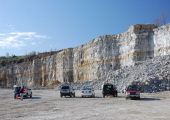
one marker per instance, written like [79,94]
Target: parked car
[27,91]
[132,91]
[109,89]
[87,92]
[67,91]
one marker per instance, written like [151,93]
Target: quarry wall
[92,60]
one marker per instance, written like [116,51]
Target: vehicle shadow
[90,97]
[34,98]
[143,99]
[83,97]
[149,99]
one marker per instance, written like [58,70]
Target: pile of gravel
[152,75]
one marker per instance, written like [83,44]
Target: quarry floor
[47,105]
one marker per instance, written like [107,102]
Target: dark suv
[67,91]
[109,89]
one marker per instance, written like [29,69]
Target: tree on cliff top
[162,20]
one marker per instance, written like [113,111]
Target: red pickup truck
[132,91]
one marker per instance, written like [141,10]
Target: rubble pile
[152,75]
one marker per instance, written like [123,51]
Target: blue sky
[45,25]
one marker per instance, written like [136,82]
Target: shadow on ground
[149,99]
[82,97]
[34,98]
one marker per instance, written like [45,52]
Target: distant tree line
[13,59]
[5,60]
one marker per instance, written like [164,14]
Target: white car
[27,91]
[87,92]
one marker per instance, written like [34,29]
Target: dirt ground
[47,105]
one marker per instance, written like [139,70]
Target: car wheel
[26,95]
[31,95]
[82,96]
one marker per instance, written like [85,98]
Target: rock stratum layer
[93,60]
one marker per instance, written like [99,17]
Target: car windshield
[132,88]
[86,89]
[65,87]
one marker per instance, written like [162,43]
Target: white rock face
[93,60]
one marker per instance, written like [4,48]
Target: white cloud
[1,34]
[22,33]
[33,43]
[19,39]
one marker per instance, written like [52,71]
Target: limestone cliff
[92,60]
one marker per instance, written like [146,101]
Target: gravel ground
[47,105]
